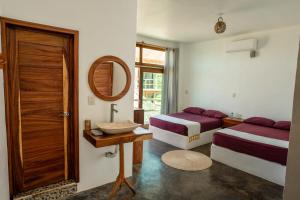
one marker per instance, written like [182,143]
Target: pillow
[214,114]
[194,110]
[260,121]
[284,125]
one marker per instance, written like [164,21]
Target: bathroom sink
[117,127]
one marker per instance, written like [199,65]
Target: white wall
[4,186]
[263,85]
[154,41]
[102,32]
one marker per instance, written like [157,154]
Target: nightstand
[228,122]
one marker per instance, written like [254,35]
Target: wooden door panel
[31,157]
[40,73]
[41,130]
[47,107]
[40,37]
[29,48]
[103,78]
[42,96]
[40,83]
[41,156]
[36,112]
[40,61]
[36,175]
[38,126]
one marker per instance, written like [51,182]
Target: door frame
[74,134]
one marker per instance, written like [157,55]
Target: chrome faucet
[112,111]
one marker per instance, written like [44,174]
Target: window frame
[147,67]
[142,46]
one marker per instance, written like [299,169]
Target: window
[153,56]
[148,87]
[149,56]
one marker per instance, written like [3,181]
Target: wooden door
[38,81]
[103,78]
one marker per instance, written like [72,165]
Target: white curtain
[170,92]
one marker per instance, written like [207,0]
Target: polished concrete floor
[154,180]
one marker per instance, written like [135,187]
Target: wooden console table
[138,134]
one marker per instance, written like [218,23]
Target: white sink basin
[117,127]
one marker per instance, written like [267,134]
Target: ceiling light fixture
[220,26]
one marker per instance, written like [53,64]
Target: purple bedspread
[263,131]
[257,149]
[207,123]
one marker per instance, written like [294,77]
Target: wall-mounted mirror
[109,78]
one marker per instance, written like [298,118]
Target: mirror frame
[91,77]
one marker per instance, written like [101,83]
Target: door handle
[65,114]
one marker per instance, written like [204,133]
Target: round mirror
[109,78]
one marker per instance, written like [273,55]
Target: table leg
[138,152]
[121,177]
[129,186]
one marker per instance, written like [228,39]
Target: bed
[254,148]
[188,129]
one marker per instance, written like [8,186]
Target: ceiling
[193,20]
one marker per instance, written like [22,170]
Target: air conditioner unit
[243,45]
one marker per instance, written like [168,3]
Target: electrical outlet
[91,100]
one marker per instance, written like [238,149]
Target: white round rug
[186,160]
